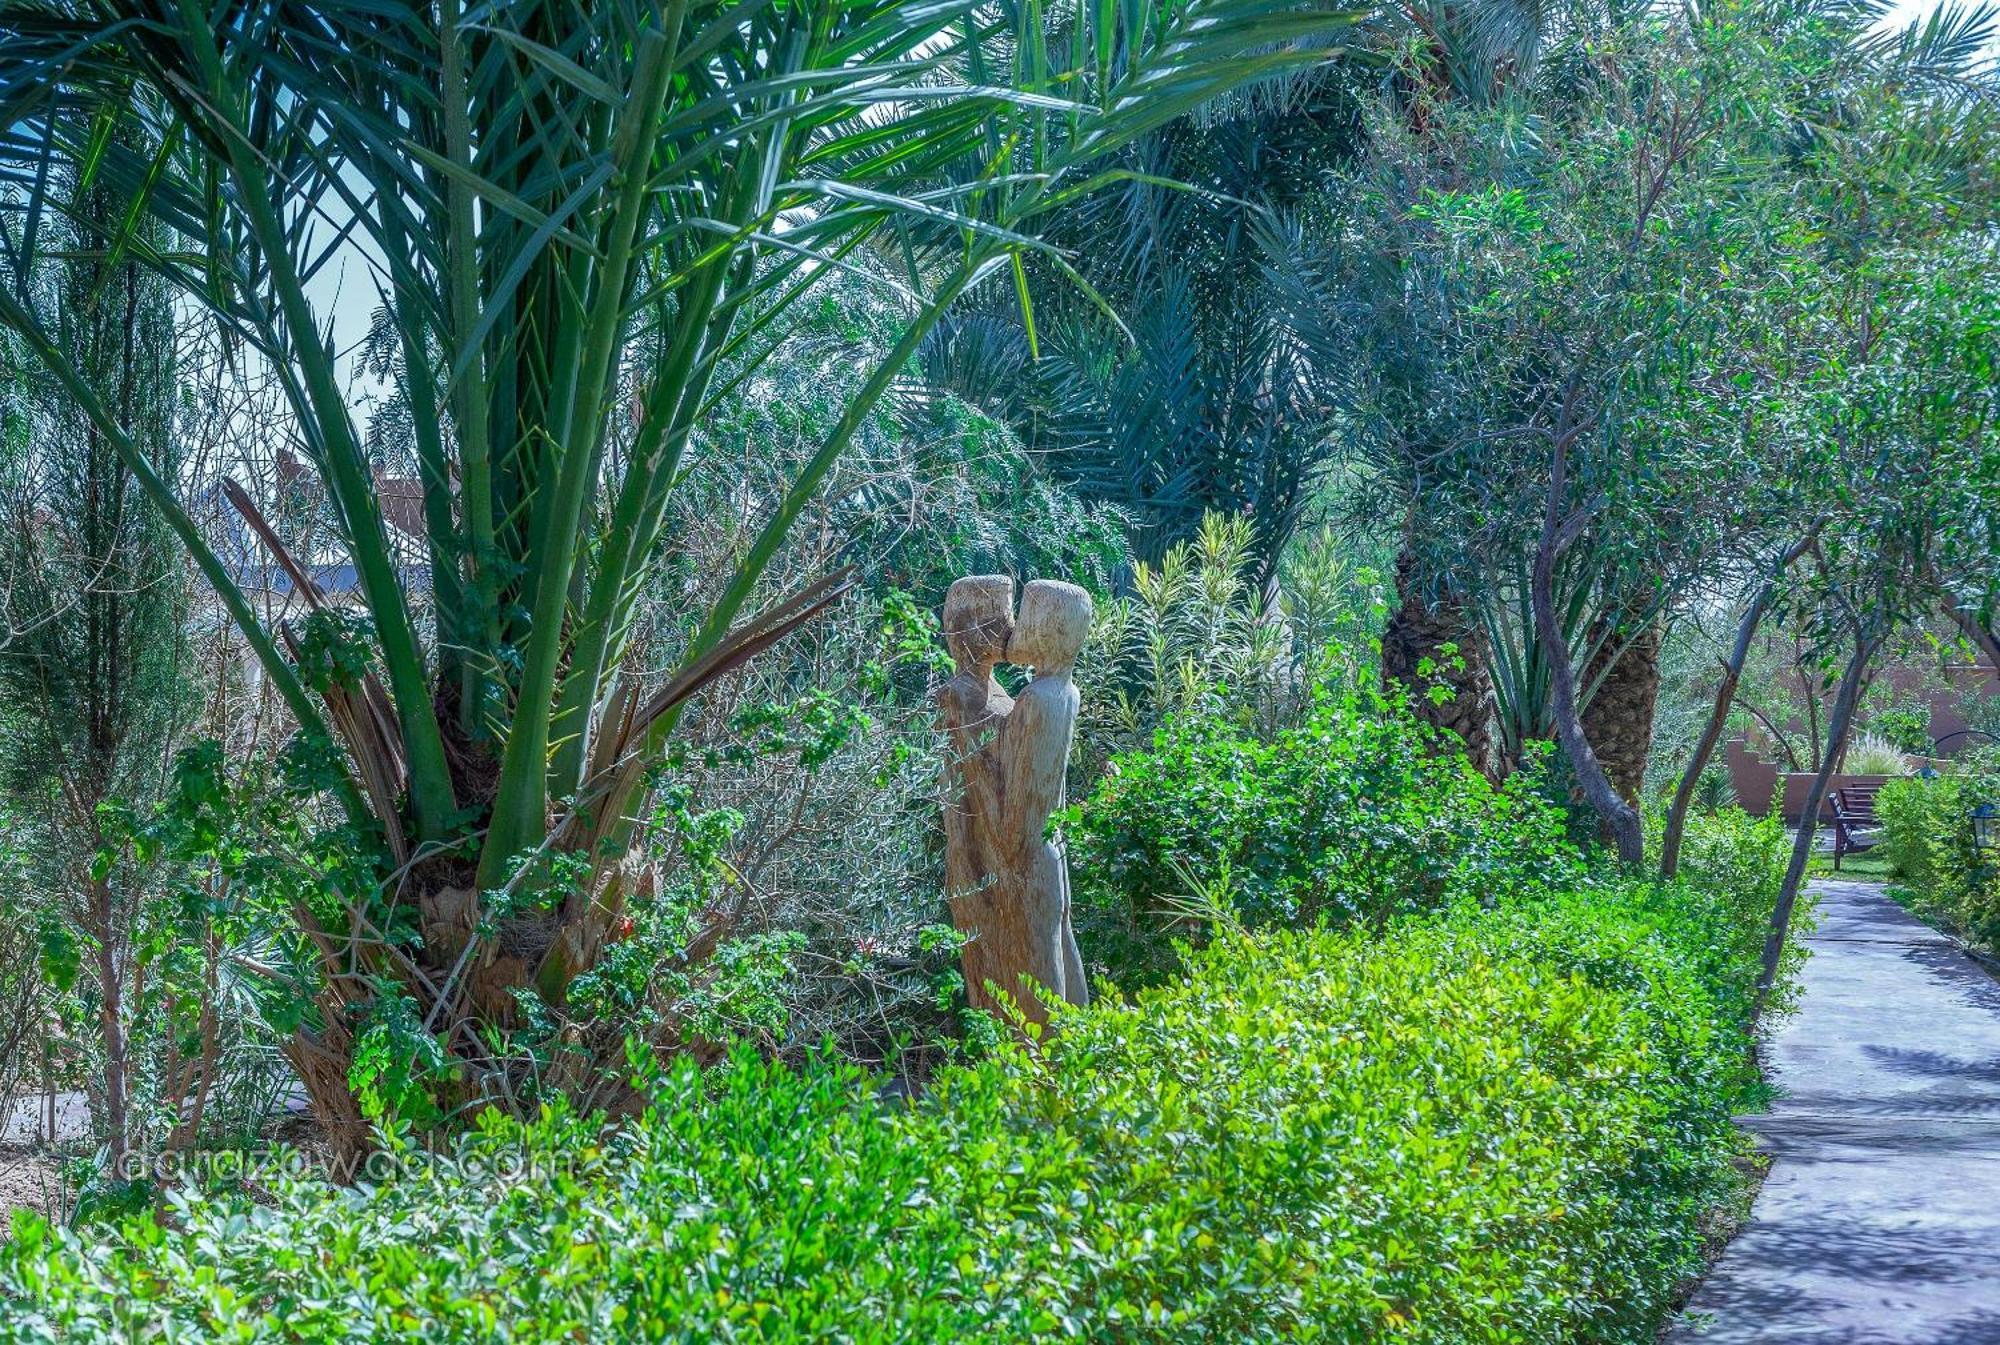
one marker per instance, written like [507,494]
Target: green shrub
[1499,1125]
[1356,814]
[1198,634]
[1735,866]
[1927,838]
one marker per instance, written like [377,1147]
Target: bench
[1855,826]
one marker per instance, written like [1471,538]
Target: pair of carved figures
[1008,882]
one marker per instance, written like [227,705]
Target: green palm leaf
[540,191]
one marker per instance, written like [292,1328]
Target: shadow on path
[1880,1221]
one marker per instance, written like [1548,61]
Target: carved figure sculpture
[1008,881]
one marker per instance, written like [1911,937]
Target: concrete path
[1880,1222]
[27,1121]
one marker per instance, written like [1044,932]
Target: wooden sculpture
[1007,880]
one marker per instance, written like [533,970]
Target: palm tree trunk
[1618,718]
[1437,654]
[322,1061]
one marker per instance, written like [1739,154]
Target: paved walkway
[27,1121]
[1880,1222]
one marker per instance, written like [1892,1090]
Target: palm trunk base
[323,1061]
[1618,720]
[1438,656]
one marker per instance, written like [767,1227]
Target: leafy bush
[1927,838]
[1735,867]
[1195,632]
[1905,727]
[1357,813]
[1484,1126]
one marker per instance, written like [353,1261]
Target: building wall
[1760,782]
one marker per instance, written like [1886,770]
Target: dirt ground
[30,1179]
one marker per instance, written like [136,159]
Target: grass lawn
[1870,866]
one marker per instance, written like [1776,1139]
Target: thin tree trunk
[1719,719]
[1712,731]
[208,1030]
[48,1089]
[1725,696]
[1809,701]
[111,1023]
[1619,817]
[1779,740]
[1838,725]
[1982,635]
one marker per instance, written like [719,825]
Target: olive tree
[1556,304]
[1906,421]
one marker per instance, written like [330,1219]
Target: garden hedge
[1485,1125]
[1928,839]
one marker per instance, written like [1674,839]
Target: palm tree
[586,224]
[1169,387]
[1342,291]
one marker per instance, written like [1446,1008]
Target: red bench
[1855,826]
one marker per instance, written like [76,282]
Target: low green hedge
[1357,814]
[1485,1126]
[1927,838]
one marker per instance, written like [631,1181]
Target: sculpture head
[1052,625]
[978,619]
